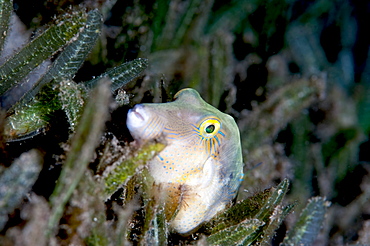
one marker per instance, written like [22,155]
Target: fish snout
[137,117]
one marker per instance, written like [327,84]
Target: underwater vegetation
[295,76]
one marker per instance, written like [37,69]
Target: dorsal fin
[189,95]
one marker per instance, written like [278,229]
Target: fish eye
[210,127]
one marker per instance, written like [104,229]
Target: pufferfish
[202,158]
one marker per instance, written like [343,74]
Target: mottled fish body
[202,162]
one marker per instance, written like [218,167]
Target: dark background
[239,55]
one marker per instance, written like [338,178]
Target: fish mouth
[137,116]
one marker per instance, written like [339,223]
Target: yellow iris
[210,127]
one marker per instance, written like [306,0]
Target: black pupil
[210,128]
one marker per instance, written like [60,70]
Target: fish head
[186,119]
